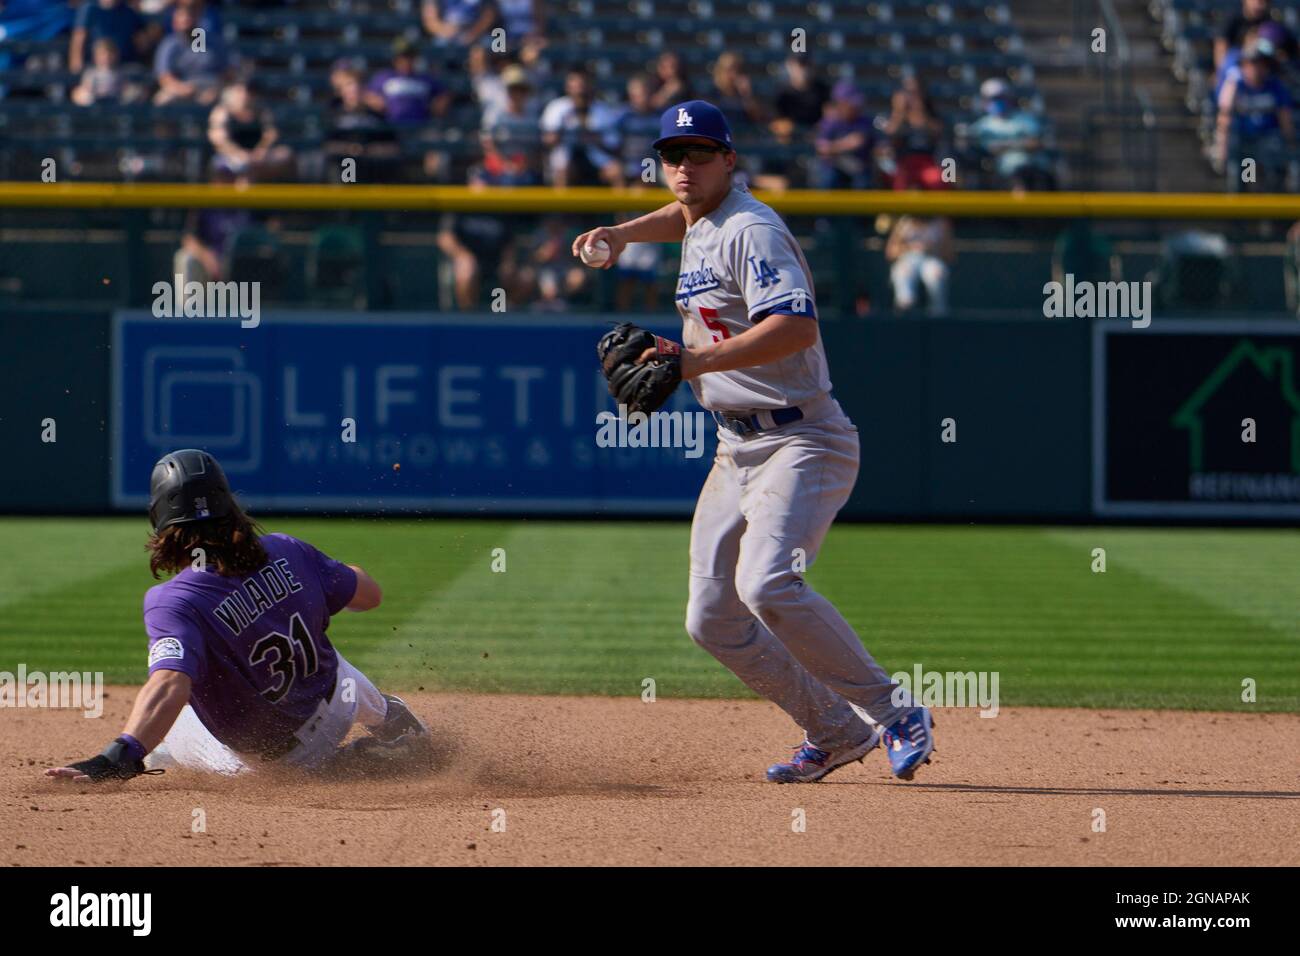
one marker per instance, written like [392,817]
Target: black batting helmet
[187,486]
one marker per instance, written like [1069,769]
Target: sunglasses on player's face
[698,155]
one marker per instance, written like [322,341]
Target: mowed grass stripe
[92,624]
[596,608]
[44,555]
[1022,600]
[594,598]
[1248,572]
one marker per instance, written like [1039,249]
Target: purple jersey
[254,645]
[406,95]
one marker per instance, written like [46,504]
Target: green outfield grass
[1179,619]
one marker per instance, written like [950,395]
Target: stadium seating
[290,48]
[951,45]
[1188,31]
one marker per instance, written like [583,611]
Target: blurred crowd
[1251,100]
[133,50]
[539,124]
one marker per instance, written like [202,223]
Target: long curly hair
[230,545]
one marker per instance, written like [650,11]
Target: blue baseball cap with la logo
[694,118]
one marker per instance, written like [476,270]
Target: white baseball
[596,254]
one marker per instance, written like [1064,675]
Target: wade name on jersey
[245,606]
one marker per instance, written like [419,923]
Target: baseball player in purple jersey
[241,671]
[787,458]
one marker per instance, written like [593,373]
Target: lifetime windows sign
[319,411]
[1197,419]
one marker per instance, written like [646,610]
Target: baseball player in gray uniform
[786,462]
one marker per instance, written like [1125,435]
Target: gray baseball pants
[759,523]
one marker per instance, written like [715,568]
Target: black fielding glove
[645,386]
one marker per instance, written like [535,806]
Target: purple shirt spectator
[406,95]
[835,128]
[216,228]
[254,646]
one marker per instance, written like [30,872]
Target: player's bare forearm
[773,339]
[157,706]
[368,594]
[666,224]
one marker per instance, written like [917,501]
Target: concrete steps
[1103,154]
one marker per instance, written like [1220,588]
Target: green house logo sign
[1275,365]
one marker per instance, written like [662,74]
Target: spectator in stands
[845,143]
[340,71]
[187,69]
[778,169]
[637,270]
[1271,32]
[522,18]
[475,244]
[404,96]
[531,59]
[104,80]
[802,98]
[914,132]
[581,133]
[919,251]
[158,17]
[1255,121]
[460,22]
[1254,15]
[638,128]
[113,19]
[510,138]
[1012,139]
[733,93]
[358,132]
[673,85]
[208,236]
[1284,44]
[548,267]
[484,71]
[244,137]
[800,104]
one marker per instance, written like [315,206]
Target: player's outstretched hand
[113,764]
[610,235]
[67,773]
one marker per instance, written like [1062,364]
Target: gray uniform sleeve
[771,273]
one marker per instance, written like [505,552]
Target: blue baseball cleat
[909,742]
[810,764]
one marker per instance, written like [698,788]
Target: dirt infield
[618,781]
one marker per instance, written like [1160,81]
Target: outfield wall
[1064,420]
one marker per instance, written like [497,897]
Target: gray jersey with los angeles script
[740,264]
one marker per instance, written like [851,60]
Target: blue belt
[750,424]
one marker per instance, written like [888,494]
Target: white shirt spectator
[560,116]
